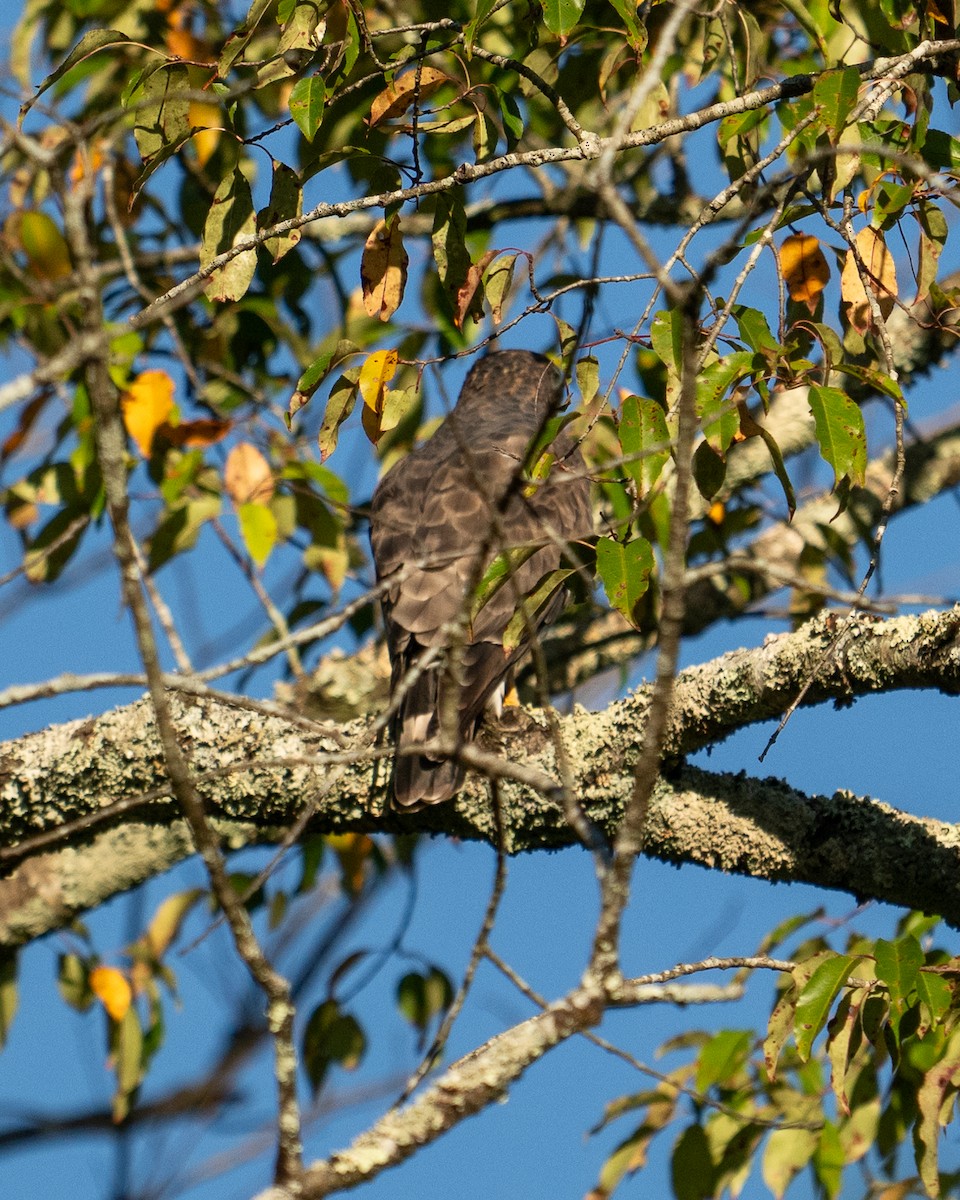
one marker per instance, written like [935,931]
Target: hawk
[438,519]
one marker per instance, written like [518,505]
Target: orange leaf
[881,278]
[383,269]
[805,270]
[110,986]
[247,475]
[146,406]
[397,98]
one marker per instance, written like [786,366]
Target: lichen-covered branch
[258,773]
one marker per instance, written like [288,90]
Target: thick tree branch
[258,773]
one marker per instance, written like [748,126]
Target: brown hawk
[437,521]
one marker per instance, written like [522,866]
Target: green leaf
[691,1167]
[836,94]
[483,10]
[935,999]
[933,1113]
[666,337]
[722,1058]
[306,105]
[624,569]
[258,528]
[636,32]
[829,1160]
[73,980]
[449,244]
[127,1052]
[422,997]
[512,119]
[8,993]
[286,202]
[90,43]
[715,405]
[331,1036]
[786,1153]
[343,397]
[230,219]
[588,378]
[644,440]
[709,470]
[517,627]
[161,112]
[817,997]
[560,16]
[841,435]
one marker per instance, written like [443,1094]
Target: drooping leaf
[127,1059]
[112,989]
[805,269]
[247,476]
[343,396]
[286,202]
[645,441]
[377,371]
[8,993]
[231,219]
[786,1153]
[560,16]
[879,275]
[258,528]
[496,285]
[331,1036]
[817,996]
[841,434]
[942,1078]
[307,101]
[383,269]
[168,920]
[422,997]
[624,570]
[146,406]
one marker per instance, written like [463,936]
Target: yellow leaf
[383,269]
[113,991]
[881,278]
[44,245]
[353,851]
[398,97]
[146,406]
[375,374]
[206,119]
[248,476]
[805,270]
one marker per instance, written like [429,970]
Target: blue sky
[900,749]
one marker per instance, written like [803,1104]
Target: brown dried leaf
[881,278]
[383,269]
[395,99]
[247,476]
[470,293]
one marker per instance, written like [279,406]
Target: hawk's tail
[419,779]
